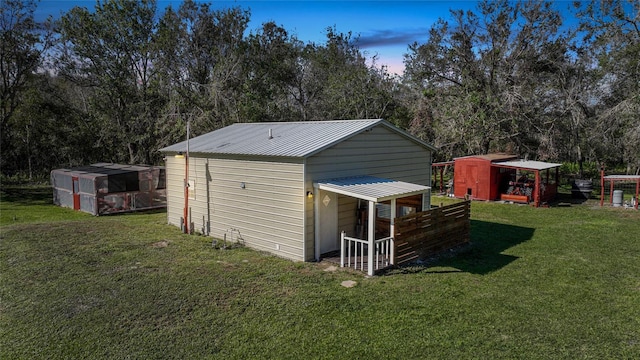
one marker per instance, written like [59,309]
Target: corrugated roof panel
[622,177]
[289,139]
[371,188]
[528,164]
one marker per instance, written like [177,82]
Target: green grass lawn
[547,283]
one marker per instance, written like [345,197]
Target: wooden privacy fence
[421,235]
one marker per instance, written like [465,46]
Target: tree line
[119,81]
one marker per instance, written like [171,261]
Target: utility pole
[186,181]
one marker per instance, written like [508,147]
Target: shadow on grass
[482,256]
[567,200]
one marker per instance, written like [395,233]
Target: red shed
[502,177]
[476,177]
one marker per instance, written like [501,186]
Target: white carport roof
[622,177]
[527,164]
[371,188]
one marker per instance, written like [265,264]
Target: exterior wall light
[309,194]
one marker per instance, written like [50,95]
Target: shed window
[384,210]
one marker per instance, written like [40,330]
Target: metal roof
[622,177]
[371,188]
[104,169]
[527,164]
[491,157]
[289,139]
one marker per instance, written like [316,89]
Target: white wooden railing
[353,252]
[384,252]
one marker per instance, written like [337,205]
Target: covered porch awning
[371,188]
[374,190]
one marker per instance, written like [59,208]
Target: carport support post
[342,248]
[601,184]
[536,189]
[371,236]
[637,192]
[316,221]
[611,192]
[392,232]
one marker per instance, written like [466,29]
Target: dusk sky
[385,28]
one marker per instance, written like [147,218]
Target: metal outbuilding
[291,188]
[106,188]
[477,178]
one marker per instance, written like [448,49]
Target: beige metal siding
[198,209]
[174,182]
[347,218]
[378,152]
[267,213]
[309,233]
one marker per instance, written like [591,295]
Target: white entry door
[328,222]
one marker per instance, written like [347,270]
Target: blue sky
[385,28]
